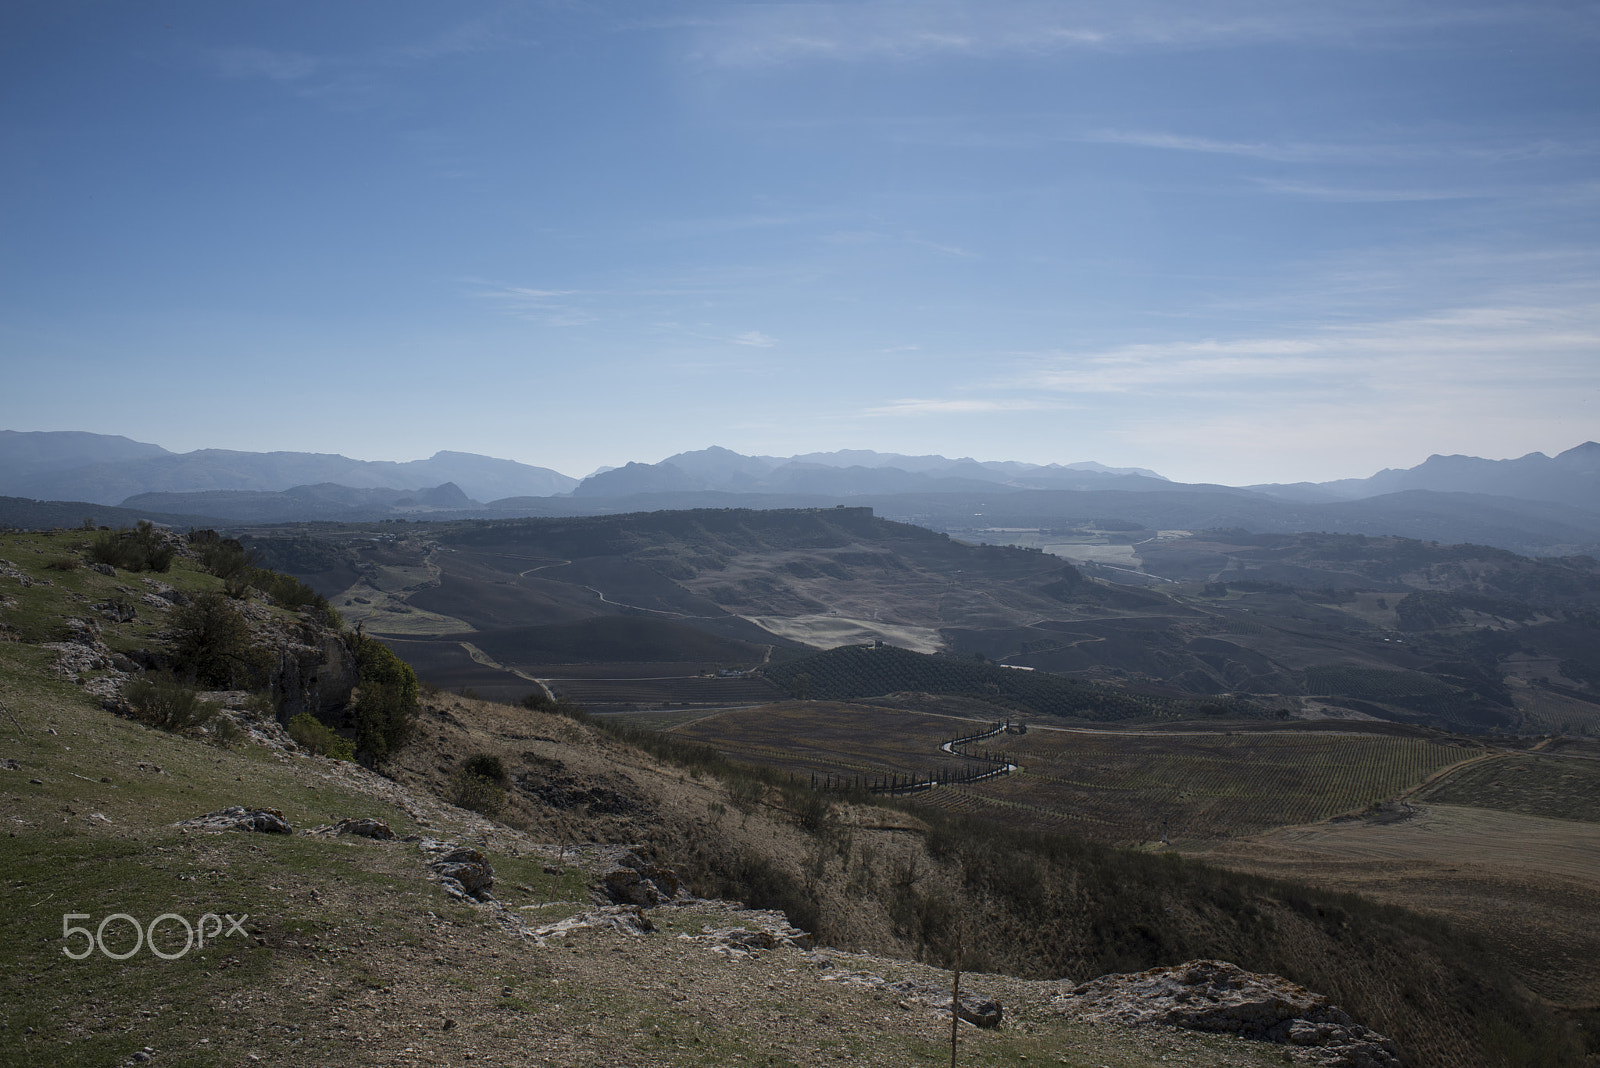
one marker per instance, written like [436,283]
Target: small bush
[487,765]
[162,701]
[311,732]
[560,706]
[139,549]
[62,563]
[226,733]
[478,793]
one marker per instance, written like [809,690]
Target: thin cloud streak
[761,35]
[930,406]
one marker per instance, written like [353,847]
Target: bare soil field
[830,631]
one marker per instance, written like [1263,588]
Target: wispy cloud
[1358,195]
[754,339]
[356,72]
[553,307]
[263,63]
[764,34]
[1419,147]
[964,406]
[1491,345]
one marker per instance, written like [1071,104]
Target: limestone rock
[238,818]
[974,1008]
[464,872]
[631,880]
[743,941]
[629,919]
[1209,995]
[365,827]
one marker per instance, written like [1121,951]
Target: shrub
[139,549]
[162,701]
[311,732]
[226,733]
[479,793]
[487,765]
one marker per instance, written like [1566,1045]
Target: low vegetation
[162,701]
[856,671]
[141,548]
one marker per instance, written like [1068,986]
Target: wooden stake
[955,1003]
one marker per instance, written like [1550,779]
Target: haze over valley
[800,534]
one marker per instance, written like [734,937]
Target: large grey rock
[631,880]
[315,674]
[463,871]
[239,818]
[628,919]
[1210,995]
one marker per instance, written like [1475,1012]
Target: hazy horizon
[1234,241]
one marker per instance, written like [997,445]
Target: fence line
[894,783]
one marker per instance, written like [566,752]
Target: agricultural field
[1555,787]
[600,694]
[1110,786]
[1197,787]
[825,738]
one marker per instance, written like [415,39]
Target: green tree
[212,644]
[386,704]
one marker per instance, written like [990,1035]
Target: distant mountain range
[101,469]
[1534,504]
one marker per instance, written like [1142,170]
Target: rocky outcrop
[628,919]
[1209,995]
[313,671]
[743,941]
[976,1009]
[630,880]
[239,818]
[464,872]
[363,826]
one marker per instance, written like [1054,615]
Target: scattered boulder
[743,941]
[464,872]
[631,880]
[1209,995]
[118,610]
[366,827]
[629,919]
[975,1009]
[238,818]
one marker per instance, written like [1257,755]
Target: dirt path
[1445,773]
[481,657]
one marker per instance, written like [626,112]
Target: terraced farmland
[1556,787]
[603,693]
[827,738]
[1198,786]
[1119,787]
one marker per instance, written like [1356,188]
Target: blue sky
[1230,241]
